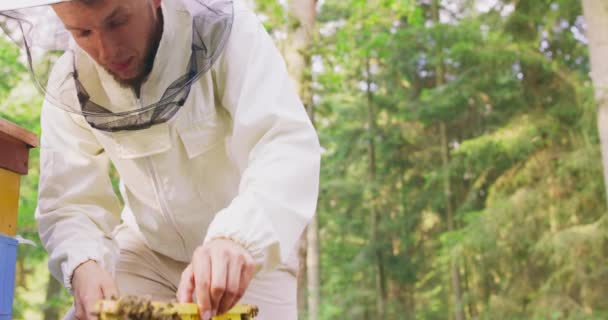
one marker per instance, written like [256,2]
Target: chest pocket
[214,176]
[200,137]
[128,145]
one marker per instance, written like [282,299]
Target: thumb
[186,286]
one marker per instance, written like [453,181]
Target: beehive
[15,143]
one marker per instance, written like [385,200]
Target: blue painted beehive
[8,258]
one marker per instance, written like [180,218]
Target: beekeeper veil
[43,39]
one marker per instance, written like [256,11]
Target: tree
[301,34]
[596,16]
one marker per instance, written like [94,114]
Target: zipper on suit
[164,208]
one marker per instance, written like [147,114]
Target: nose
[107,47]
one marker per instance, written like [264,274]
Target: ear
[156,3]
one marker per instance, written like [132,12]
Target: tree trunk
[596,17]
[454,266]
[447,187]
[299,60]
[302,15]
[525,31]
[472,311]
[302,270]
[51,310]
[312,267]
[375,217]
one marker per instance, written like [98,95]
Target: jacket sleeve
[273,143]
[77,207]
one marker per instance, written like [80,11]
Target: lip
[121,66]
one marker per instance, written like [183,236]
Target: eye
[118,22]
[83,33]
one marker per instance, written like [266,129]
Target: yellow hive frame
[108,310]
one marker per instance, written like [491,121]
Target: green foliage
[8,67]
[524,162]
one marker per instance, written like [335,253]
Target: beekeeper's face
[121,35]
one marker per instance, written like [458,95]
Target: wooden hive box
[15,143]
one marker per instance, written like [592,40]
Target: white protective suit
[240,160]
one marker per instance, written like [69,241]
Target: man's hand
[91,283]
[219,274]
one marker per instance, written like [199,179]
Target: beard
[148,61]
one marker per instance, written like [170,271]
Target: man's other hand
[91,283]
[218,275]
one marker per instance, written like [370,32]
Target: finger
[231,294]
[109,289]
[219,268]
[78,309]
[247,275]
[89,303]
[186,286]
[201,267]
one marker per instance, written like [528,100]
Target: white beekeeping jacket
[240,160]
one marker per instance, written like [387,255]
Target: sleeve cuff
[106,257]
[70,266]
[242,223]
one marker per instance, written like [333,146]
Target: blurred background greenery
[462,177]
